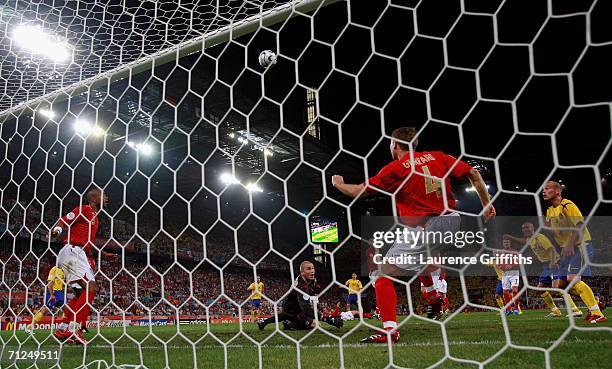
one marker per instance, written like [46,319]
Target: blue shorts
[572,265]
[499,290]
[256,303]
[59,299]
[351,299]
[548,274]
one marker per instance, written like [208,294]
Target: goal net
[217,166]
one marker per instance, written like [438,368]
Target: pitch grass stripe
[348,345]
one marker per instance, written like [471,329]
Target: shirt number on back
[431,184]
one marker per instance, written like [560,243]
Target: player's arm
[347,189]
[50,280]
[483,194]
[250,288]
[520,240]
[553,263]
[387,180]
[64,222]
[575,216]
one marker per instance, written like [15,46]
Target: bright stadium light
[98,131]
[47,113]
[144,148]
[228,178]
[35,40]
[268,152]
[82,127]
[252,187]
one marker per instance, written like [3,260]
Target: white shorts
[73,262]
[441,285]
[447,222]
[510,278]
[347,315]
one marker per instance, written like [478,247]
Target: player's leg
[578,287]
[507,287]
[515,300]
[443,289]
[499,295]
[282,316]
[76,270]
[443,223]
[546,280]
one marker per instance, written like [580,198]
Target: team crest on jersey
[70,216]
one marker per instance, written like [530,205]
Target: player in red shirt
[510,278]
[79,228]
[422,190]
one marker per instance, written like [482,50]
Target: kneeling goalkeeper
[298,311]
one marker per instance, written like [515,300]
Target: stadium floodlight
[144,148]
[232,135]
[98,131]
[268,152]
[35,40]
[228,178]
[47,113]
[252,187]
[84,128]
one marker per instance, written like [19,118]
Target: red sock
[367,315]
[386,299]
[507,298]
[84,306]
[429,296]
[446,303]
[69,311]
[335,313]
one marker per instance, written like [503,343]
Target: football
[267,58]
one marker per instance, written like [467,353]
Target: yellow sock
[548,300]
[37,317]
[587,296]
[500,302]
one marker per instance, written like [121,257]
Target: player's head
[507,244]
[354,276]
[307,270]
[258,279]
[552,190]
[400,139]
[528,229]
[96,197]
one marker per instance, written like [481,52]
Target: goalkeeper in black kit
[298,307]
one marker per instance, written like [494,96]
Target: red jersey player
[75,259]
[421,186]
[510,277]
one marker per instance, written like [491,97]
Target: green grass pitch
[329,235]
[471,336]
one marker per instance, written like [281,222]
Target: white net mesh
[217,168]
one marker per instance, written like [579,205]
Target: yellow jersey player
[354,286]
[499,290]
[571,234]
[257,289]
[54,296]
[548,256]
